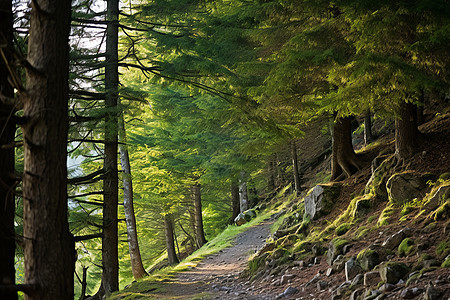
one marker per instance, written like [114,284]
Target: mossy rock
[335,248]
[443,249]
[404,187]
[392,272]
[381,169]
[406,247]
[362,207]
[320,200]
[446,263]
[368,259]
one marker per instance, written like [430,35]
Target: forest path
[217,276]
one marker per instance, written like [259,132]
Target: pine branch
[87,237]
[81,180]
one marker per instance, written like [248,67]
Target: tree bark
[295,167]
[48,245]
[234,201]
[406,131]
[243,193]
[110,277]
[344,162]
[198,219]
[170,242]
[7,182]
[368,136]
[133,244]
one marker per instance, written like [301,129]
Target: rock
[290,291]
[362,208]
[313,280]
[318,250]
[372,278]
[434,201]
[387,287]
[432,293]
[320,200]
[334,249]
[249,214]
[368,259]
[322,285]
[240,219]
[394,240]
[358,280]
[329,272]
[352,269]
[393,272]
[340,290]
[339,263]
[404,187]
[410,293]
[356,294]
[285,278]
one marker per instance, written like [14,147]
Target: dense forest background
[132,132]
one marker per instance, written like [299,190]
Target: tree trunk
[344,162]
[243,195]
[271,176]
[295,167]
[234,201]
[7,182]
[198,219]
[170,242]
[130,219]
[406,131]
[48,245]
[110,277]
[368,136]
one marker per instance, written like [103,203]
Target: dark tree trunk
[420,108]
[406,131]
[234,201]
[368,136]
[48,245]
[344,160]
[170,242]
[271,176]
[295,167]
[198,219]
[110,277]
[7,182]
[133,244]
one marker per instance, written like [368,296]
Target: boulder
[441,194]
[394,240]
[372,278]
[404,187]
[334,249]
[357,294]
[352,269]
[240,219]
[286,278]
[338,264]
[362,207]
[392,272]
[320,200]
[368,259]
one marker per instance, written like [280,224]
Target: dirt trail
[217,277]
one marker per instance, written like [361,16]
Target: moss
[446,263]
[362,232]
[442,212]
[443,249]
[406,247]
[343,228]
[385,215]
[370,219]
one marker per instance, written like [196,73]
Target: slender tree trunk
[48,245]
[7,182]
[198,219]
[295,167]
[368,136]
[271,177]
[243,194]
[406,131]
[110,277]
[234,201]
[170,242]
[344,162]
[130,219]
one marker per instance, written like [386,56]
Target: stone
[362,208]
[356,294]
[372,278]
[410,293]
[316,278]
[387,287]
[434,201]
[329,272]
[404,187]
[393,272]
[432,293]
[340,290]
[352,269]
[394,240]
[334,249]
[320,200]
[286,277]
[317,250]
[290,291]
[322,285]
[358,280]
[368,259]
[339,263]
[240,219]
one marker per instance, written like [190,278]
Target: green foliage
[343,228]
[443,249]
